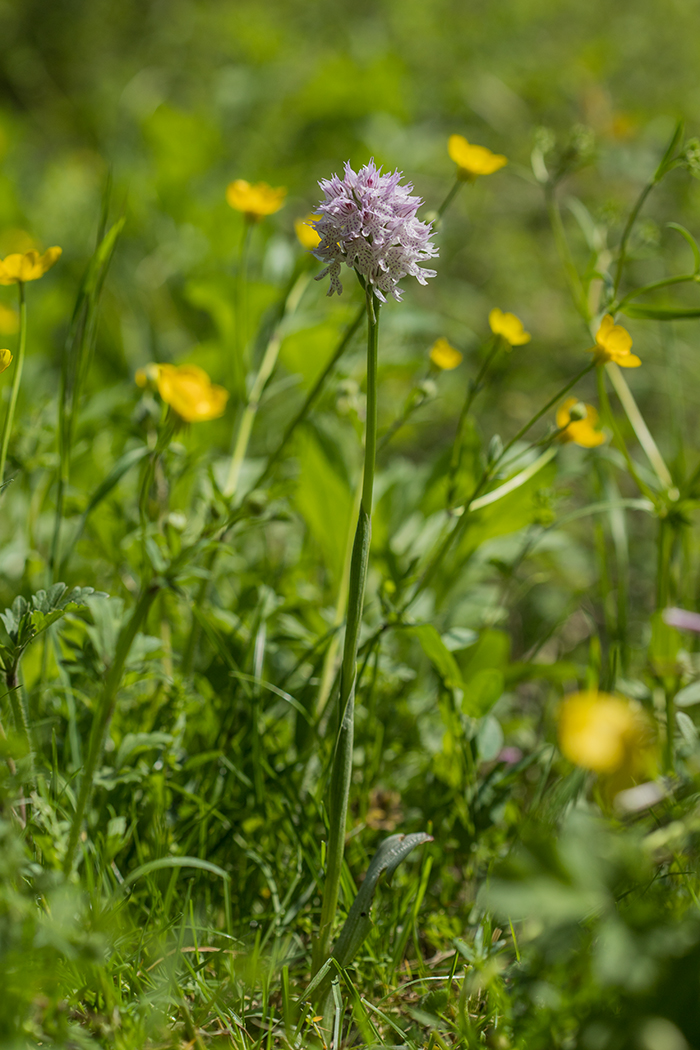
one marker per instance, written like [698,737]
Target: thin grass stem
[17,379]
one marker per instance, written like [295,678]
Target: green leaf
[384,862]
[482,691]
[687,728]
[688,696]
[175,862]
[439,655]
[660,313]
[325,502]
[687,235]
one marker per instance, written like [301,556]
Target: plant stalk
[341,771]
[9,418]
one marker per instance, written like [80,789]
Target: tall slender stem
[266,369]
[341,771]
[638,424]
[7,429]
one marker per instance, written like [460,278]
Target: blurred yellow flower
[471,160]
[255,201]
[609,735]
[613,343]
[509,327]
[308,238]
[27,266]
[444,356]
[5,359]
[579,425]
[9,320]
[187,389]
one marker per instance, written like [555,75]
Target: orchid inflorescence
[368,221]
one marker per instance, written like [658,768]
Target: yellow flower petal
[606,734]
[509,327]
[628,361]
[255,201]
[27,266]
[5,359]
[445,356]
[306,234]
[190,393]
[473,160]
[581,432]
[613,343]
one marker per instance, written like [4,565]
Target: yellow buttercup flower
[613,343]
[306,234]
[5,359]
[27,266]
[509,327]
[187,389]
[255,201]
[579,427]
[444,356]
[473,161]
[608,735]
[9,320]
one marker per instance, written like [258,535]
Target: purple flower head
[368,220]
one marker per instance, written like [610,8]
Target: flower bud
[577,412]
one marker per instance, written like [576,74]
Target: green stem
[341,772]
[266,369]
[608,417]
[9,418]
[472,391]
[103,714]
[629,225]
[681,278]
[450,197]
[638,424]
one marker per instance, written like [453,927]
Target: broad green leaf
[306,351]
[482,691]
[688,696]
[384,862]
[688,729]
[491,650]
[509,514]
[439,655]
[325,502]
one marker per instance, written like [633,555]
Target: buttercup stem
[7,429]
[341,771]
[458,183]
[266,369]
[638,424]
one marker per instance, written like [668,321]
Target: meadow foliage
[350,616]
